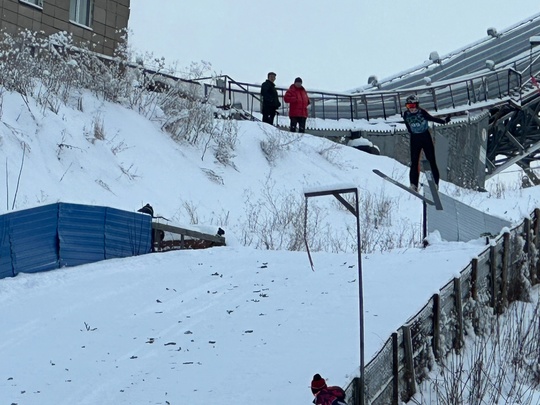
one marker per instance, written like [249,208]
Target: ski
[432,185]
[403,186]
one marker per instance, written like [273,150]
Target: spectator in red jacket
[326,395]
[298,101]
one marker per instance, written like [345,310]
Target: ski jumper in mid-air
[417,122]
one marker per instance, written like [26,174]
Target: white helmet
[413,98]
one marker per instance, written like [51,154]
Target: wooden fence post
[536,233]
[493,273]
[503,299]
[409,361]
[356,391]
[436,325]
[474,279]
[474,293]
[458,343]
[395,369]
[528,249]
[156,240]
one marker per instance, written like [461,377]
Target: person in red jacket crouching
[298,101]
[326,395]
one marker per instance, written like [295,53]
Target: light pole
[533,41]
[354,210]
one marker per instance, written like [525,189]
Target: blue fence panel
[127,233]
[81,231]
[6,268]
[58,235]
[33,239]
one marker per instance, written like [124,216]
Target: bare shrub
[499,365]
[270,148]
[499,188]
[129,172]
[41,67]
[187,118]
[63,146]
[378,231]
[222,140]
[52,69]
[80,105]
[97,132]
[17,67]
[225,136]
[141,96]
[275,221]
[191,209]
[213,176]
[118,147]
[338,240]
[331,152]
[276,142]
[519,286]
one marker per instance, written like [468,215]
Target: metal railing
[473,91]
[490,282]
[512,81]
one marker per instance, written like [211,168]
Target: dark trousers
[268,114]
[423,142]
[300,121]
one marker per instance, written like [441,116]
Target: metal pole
[356,212]
[360,303]
[530,60]
[224,91]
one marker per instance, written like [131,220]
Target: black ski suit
[418,126]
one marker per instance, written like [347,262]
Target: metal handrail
[469,90]
[499,85]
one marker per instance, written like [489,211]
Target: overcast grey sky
[333,45]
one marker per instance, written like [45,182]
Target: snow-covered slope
[219,325]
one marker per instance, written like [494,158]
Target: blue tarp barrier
[33,239]
[63,234]
[81,231]
[6,268]
[127,234]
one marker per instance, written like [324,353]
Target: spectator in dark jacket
[270,99]
[326,395]
[298,99]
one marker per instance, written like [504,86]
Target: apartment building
[98,22]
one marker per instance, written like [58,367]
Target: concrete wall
[109,17]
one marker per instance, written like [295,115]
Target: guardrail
[485,287]
[181,238]
[508,83]
[481,90]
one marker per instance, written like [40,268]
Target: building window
[80,12]
[38,3]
